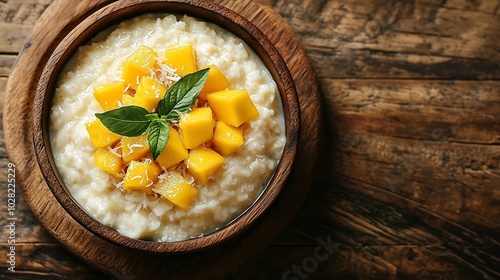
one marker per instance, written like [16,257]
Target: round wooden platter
[59,18]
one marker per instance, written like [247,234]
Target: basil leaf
[158,132]
[181,96]
[126,121]
[152,117]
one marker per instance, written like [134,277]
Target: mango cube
[174,151]
[181,58]
[134,148]
[233,107]
[216,81]
[107,161]
[227,139]
[127,100]
[109,95]
[176,188]
[204,162]
[149,92]
[141,176]
[138,64]
[197,127]
[100,135]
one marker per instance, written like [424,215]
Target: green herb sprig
[134,120]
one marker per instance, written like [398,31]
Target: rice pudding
[139,214]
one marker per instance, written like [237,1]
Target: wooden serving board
[59,18]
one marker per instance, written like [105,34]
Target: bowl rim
[119,11]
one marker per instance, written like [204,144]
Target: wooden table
[408,185]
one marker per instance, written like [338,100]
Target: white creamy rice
[134,214]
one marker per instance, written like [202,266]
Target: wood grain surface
[408,185]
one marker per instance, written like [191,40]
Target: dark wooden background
[409,181]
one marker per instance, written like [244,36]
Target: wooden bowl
[204,10]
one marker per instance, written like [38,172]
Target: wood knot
[373,29]
[384,17]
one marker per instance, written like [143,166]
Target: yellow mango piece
[216,81]
[107,161]
[203,162]
[100,136]
[174,151]
[149,92]
[197,127]
[134,148]
[127,100]
[138,64]
[141,176]
[181,58]
[176,188]
[109,95]
[227,139]
[233,107]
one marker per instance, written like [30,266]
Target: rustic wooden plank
[3,152]
[6,63]
[46,261]
[451,111]
[484,6]
[356,209]
[13,36]
[27,227]
[463,188]
[385,156]
[366,262]
[319,261]
[397,39]
[449,210]
[352,218]
[24,12]
[16,22]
